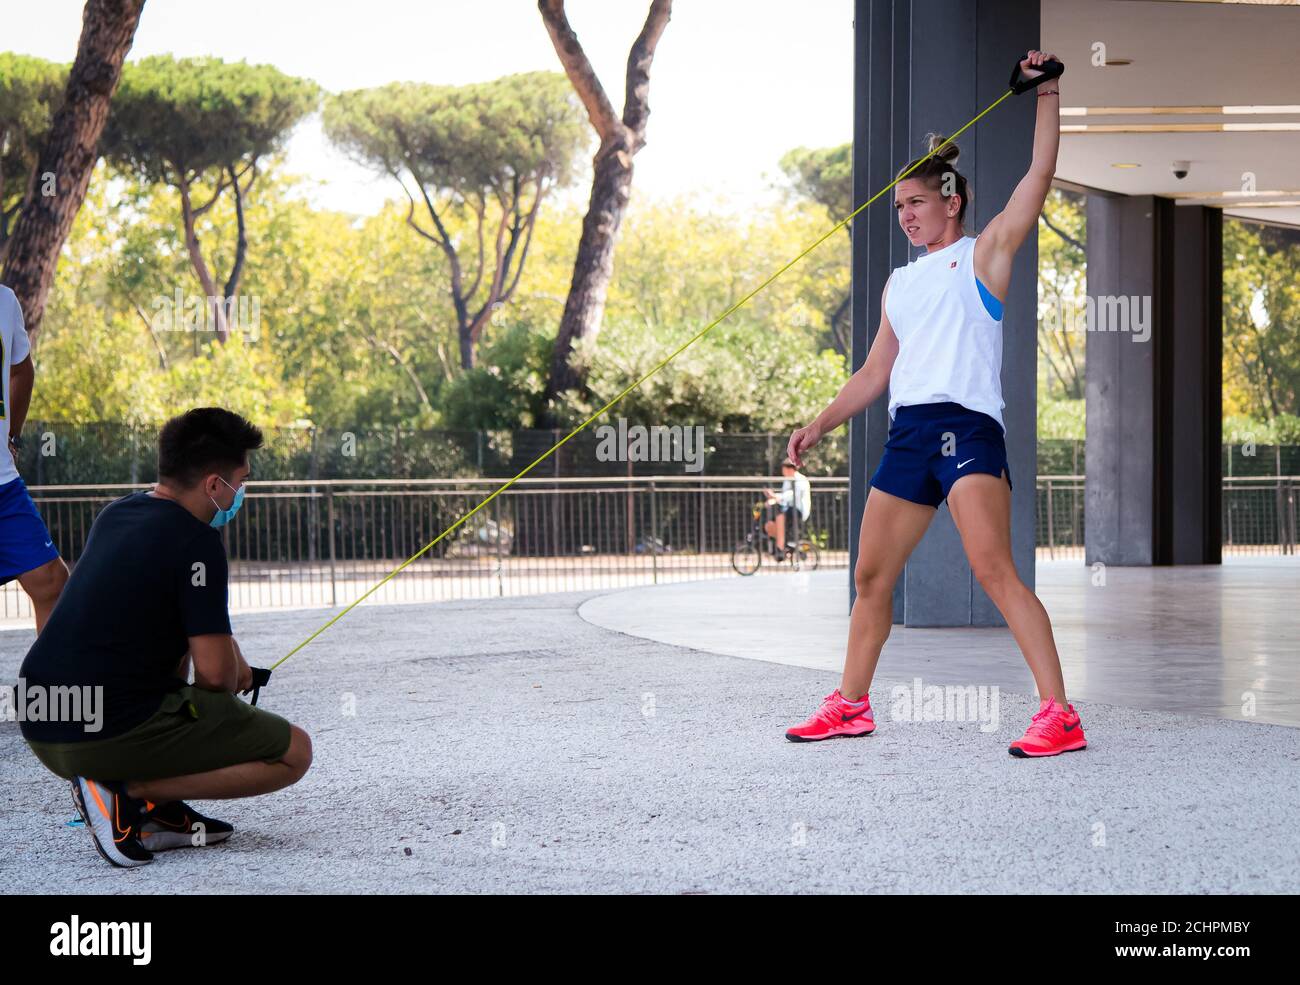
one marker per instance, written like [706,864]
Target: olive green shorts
[193,732]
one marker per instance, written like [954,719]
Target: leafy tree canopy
[473,141]
[174,118]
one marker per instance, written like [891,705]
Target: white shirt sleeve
[13,313]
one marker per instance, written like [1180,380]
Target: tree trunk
[465,339]
[241,248]
[611,184]
[592,269]
[213,303]
[107,31]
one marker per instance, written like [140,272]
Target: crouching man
[146,600]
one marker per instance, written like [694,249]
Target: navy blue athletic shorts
[931,446]
[25,544]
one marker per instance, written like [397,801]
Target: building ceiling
[1212,84]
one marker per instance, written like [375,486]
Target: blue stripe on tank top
[993,305]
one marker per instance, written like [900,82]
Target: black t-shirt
[151,575]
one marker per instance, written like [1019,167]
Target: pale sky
[735,83]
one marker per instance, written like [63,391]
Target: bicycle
[747,555]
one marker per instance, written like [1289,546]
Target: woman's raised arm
[1001,238]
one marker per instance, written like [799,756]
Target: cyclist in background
[795,500]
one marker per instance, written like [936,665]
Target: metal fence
[1059,516]
[305,543]
[63,454]
[300,543]
[1259,515]
[58,453]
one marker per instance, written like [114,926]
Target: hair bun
[948,154]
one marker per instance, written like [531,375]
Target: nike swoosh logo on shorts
[967,462]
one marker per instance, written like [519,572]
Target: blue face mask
[223,517]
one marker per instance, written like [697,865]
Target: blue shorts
[25,544]
[931,446]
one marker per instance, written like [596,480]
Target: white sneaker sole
[93,810]
[164,839]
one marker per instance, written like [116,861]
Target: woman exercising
[939,350]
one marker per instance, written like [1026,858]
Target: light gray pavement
[511,746]
[1219,640]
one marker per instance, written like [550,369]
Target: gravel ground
[509,746]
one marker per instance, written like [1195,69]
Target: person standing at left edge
[27,550]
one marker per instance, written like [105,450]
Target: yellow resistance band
[829,233]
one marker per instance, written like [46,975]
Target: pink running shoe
[1053,731]
[835,717]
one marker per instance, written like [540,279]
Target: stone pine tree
[476,162]
[824,175]
[201,125]
[620,140]
[68,154]
[31,89]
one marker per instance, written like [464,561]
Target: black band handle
[1051,69]
[261,677]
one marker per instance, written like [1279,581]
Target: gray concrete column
[1152,492]
[911,79]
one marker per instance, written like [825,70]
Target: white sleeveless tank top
[949,346]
